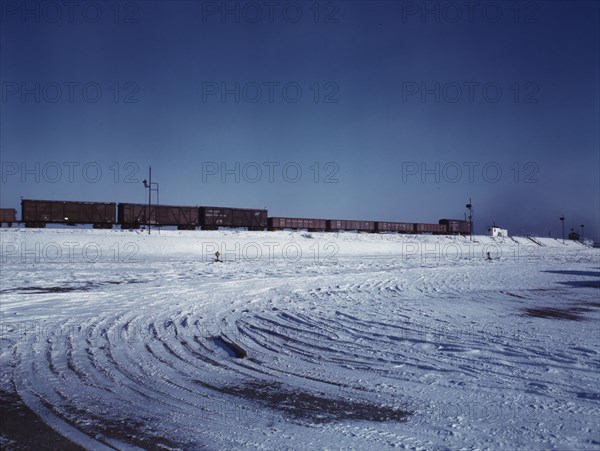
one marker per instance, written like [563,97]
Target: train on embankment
[105,215]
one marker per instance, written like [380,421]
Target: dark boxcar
[37,213]
[131,216]
[211,218]
[311,224]
[436,229]
[400,227]
[8,216]
[457,226]
[185,218]
[335,225]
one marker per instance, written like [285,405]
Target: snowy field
[121,339]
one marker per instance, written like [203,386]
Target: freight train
[104,215]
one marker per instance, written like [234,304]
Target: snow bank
[89,245]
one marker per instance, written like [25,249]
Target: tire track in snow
[157,365]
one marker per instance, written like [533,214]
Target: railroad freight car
[457,226]
[435,229]
[211,218]
[38,213]
[311,224]
[336,225]
[399,227]
[132,216]
[8,216]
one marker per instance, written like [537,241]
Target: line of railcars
[38,213]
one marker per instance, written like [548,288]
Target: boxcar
[8,216]
[311,224]
[335,225]
[38,213]
[457,226]
[211,218]
[400,227]
[131,216]
[435,229]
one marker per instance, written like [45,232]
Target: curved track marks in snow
[368,354]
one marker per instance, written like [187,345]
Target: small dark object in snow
[239,352]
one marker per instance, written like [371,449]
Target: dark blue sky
[407,108]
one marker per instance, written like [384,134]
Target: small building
[574,236]
[498,231]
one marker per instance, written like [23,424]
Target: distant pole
[562,219]
[581,233]
[149,197]
[470,207]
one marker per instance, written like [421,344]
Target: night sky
[380,110]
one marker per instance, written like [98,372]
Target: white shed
[497,231]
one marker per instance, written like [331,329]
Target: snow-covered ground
[120,339]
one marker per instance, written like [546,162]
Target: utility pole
[148,184]
[562,219]
[581,233]
[470,207]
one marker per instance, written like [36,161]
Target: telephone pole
[149,185]
[470,208]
